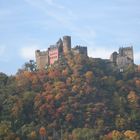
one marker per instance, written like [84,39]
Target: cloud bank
[28,52]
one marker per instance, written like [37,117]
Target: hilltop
[76,98]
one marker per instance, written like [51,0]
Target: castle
[54,52]
[123,58]
[120,59]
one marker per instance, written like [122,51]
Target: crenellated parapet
[80,50]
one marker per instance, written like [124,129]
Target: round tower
[66,44]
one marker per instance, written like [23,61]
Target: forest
[77,98]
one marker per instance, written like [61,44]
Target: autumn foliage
[78,98]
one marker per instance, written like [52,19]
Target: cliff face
[77,92]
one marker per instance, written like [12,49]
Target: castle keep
[54,52]
[123,58]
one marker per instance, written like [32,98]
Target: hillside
[78,98]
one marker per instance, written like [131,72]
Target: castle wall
[53,54]
[129,53]
[121,61]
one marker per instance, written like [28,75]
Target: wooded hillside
[78,98]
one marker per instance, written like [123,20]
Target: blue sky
[101,25]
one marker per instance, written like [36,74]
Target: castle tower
[66,44]
[41,59]
[113,57]
[127,51]
[59,44]
[124,57]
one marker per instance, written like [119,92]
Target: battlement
[126,48]
[80,49]
[41,53]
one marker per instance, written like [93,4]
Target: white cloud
[100,52]
[28,52]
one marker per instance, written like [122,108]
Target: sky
[101,25]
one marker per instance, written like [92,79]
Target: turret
[66,44]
